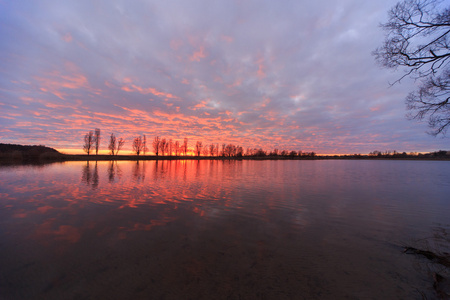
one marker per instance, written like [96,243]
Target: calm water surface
[221,229]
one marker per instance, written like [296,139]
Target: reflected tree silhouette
[155,170]
[113,171]
[90,177]
[197,169]
[95,179]
[138,171]
[86,174]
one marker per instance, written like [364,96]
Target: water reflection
[90,176]
[202,228]
[114,171]
[139,171]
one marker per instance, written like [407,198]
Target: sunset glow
[291,75]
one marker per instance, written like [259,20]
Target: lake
[211,229]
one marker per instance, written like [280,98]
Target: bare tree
[166,147]
[230,150]
[233,150]
[185,146]
[417,40]
[120,144]
[162,146]
[260,152]
[97,140]
[112,144]
[198,147]
[212,149]
[205,150]
[177,147]
[88,142]
[239,151]
[138,145]
[156,142]
[170,147]
[115,145]
[144,146]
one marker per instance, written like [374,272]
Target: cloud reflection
[76,200]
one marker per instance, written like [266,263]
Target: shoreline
[85,157]
[45,158]
[17,154]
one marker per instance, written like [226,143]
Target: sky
[293,75]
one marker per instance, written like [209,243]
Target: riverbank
[45,158]
[81,157]
[13,154]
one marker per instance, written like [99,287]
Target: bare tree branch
[417,41]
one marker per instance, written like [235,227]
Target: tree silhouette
[170,147]
[417,40]
[138,145]
[177,147]
[260,153]
[144,147]
[185,146]
[120,144]
[88,142]
[230,150]
[115,145]
[198,148]
[239,151]
[205,150]
[162,146]
[156,142]
[97,140]
[212,149]
[112,144]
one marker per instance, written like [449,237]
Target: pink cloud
[67,37]
[198,55]
[226,38]
[135,88]
[261,73]
[175,44]
[56,82]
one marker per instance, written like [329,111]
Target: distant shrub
[50,156]
[16,155]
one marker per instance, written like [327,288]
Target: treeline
[168,147]
[393,154]
[13,152]
[38,149]
[396,154]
